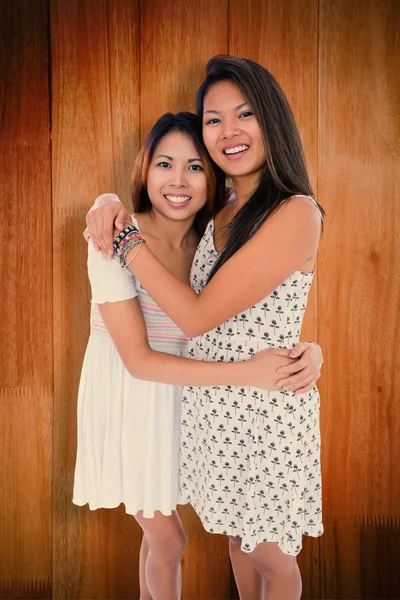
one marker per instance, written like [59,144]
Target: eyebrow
[216,112]
[190,160]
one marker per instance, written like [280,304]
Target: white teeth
[236,149]
[177,199]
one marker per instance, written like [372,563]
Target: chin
[240,172]
[179,215]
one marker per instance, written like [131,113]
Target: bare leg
[144,551]
[166,542]
[248,580]
[279,571]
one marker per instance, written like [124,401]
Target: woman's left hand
[301,376]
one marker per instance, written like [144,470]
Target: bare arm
[114,291]
[298,376]
[125,323]
[281,246]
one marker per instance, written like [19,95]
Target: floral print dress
[250,458]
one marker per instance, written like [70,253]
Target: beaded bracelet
[128,238]
[125,250]
[130,229]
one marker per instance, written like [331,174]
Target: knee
[273,565]
[168,545]
[178,544]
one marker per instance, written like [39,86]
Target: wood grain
[271,32]
[95,554]
[176,41]
[359,287]
[123,55]
[25,302]
[114,67]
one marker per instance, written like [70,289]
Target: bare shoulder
[299,213]
[303,207]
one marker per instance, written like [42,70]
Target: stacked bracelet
[139,245]
[129,238]
[126,248]
[130,230]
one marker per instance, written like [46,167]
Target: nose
[230,129]
[178,178]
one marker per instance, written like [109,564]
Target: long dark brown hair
[190,125]
[284,173]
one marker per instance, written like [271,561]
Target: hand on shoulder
[106,212]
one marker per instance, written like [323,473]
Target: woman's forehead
[177,144]
[223,95]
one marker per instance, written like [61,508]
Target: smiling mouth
[236,150]
[177,200]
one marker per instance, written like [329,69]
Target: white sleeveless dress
[128,429]
[250,459]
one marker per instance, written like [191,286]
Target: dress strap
[303,196]
[310,198]
[134,221]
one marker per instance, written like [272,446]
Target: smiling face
[231,132]
[176,182]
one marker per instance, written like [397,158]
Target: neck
[173,233]
[244,187]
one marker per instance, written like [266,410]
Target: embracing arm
[114,291]
[281,246]
[125,323]
[299,376]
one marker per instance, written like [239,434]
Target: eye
[196,168]
[212,121]
[164,165]
[246,113]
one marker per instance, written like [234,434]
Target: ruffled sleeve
[109,282]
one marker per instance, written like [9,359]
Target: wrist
[241,373]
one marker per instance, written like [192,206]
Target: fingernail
[110,253]
[280,385]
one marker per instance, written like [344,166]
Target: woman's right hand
[261,371]
[107,212]
[261,368]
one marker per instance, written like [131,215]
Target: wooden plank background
[358,292]
[82,81]
[26,381]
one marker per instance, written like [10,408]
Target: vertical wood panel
[282,35]
[176,40]
[108,87]
[95,114]
[359,285]
[25,302]
[123,39]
